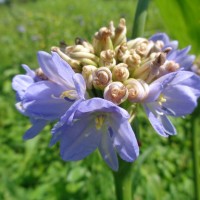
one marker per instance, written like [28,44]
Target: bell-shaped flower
[20,83]
[47,100]
[96,124]
[175,95]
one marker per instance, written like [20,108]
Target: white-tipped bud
[87,72]
[120,72]
[168,67]
[39,73]
[116,92]
[138,90]
[132,59]
[85,44]
[111,27]
[121,51]
[102,40]
[82,54]
[141,45]
[120,33]
[75,64]
[107,58]
[102,77]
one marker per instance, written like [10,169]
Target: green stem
[195,121]
[123,181]
[140,18]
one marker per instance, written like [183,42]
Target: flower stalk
[140,18]
[123,181]
[194,124]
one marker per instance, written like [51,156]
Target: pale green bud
[87,72]
[120,33]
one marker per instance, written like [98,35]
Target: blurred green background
[31,170]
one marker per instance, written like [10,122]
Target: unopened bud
[102,40]
[132,59]
[120,72]
[102,77]
[87,45]
[107,58]
[116,92]
[138,90]
[39,73]
[121,50]
[120,33]
[168,67]
[87,72]
[141,45]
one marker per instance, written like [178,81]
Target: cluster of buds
[121,68]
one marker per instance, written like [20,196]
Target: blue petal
[100,105]
[157,125]
[37,126]
[125,141]
[168,126]
[80,85]
[78,140]
[107,151]
[157,87]
[41,100]
[160,36]
[29,72]
[20,83]
[56,69]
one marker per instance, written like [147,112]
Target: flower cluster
[92,90]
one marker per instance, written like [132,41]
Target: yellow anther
[69,94]
[99,120]
[161,99]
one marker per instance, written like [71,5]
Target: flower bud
[84,43]
[82,54]
[141,45]
[87,72]
[102,77]
[75,64]
[39,73]
[167,67]
[138,90]
[102,40]
[116,92]
[120,72]
[107,58]
[120,51]
[120,33]
[132,59]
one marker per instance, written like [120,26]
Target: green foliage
[31,170]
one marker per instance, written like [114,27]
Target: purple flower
[174,94]
[181,57]
[163,37]
[97,123]
[48,100]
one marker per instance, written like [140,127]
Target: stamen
[99,120]
[69,95]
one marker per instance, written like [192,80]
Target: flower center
[161,100]
[70,95]
[99,120]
